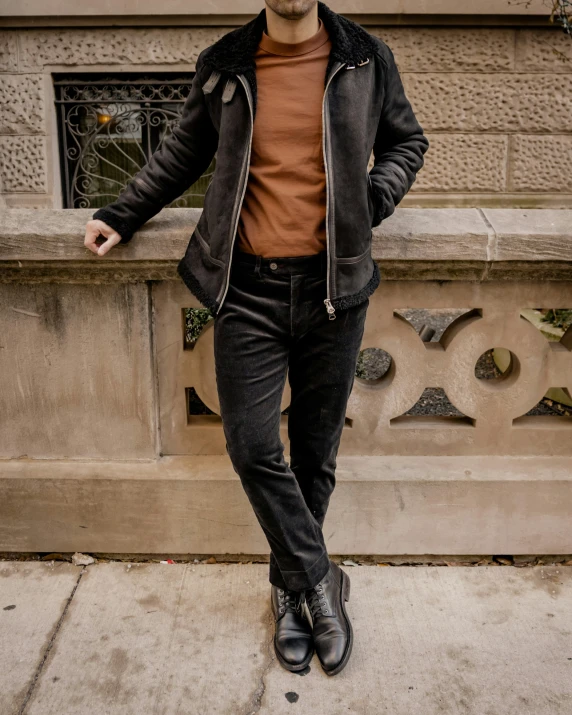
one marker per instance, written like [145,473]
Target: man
[293,103]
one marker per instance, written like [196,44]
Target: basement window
[108,128]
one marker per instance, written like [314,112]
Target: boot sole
[345,596]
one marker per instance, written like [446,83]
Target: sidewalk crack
[255,702]
[49,646]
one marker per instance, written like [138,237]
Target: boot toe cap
[295,651]
[332,652]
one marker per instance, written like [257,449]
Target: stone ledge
[38,245]
[531,235]
[398,505]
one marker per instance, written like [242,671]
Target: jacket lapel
[234,52]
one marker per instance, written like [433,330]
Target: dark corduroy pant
[273,323]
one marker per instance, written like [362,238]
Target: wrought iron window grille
[109,128]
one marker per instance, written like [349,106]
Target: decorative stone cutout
[374,365]
[434,403]
[196,407]
[555,409]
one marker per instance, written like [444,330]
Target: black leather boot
[332,630]
[293,643]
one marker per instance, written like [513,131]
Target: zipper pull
[330,308]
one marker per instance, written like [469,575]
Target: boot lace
[288,601]
[317,601]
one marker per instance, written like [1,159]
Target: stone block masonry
[496,103]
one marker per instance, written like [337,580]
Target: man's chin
[291,9]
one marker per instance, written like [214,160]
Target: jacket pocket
[353,273]
[372,203]
[355,259]
[207,249]
[370,197]
[376,203]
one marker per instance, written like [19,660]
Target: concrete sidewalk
[141,639]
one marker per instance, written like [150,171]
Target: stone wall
[496,104]
[99,450]
[169,11]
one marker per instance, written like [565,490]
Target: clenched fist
[96,228]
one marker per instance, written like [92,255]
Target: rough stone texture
[464,162]
[491,102]
[182,8]
[75,372]
[541,163]
[543,51]
[428,49]
[124,46]
[22,108]
[38,593]
[23,164]
[8,51]
[463,82]
[188,638]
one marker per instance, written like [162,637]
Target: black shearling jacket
[364,108]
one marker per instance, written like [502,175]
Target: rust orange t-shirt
[284,208]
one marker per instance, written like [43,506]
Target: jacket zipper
[244,177]
[246,163]
[325,147]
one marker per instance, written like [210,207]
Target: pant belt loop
[257,267]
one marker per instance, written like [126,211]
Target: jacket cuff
[117,224]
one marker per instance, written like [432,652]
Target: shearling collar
[234,52]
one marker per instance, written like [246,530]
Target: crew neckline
[292,49]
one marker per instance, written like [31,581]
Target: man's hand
[93,230]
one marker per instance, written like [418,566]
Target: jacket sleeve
[399,145]
[180,160]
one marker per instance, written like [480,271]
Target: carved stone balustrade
[99,451]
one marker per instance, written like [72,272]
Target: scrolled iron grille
[108,131]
